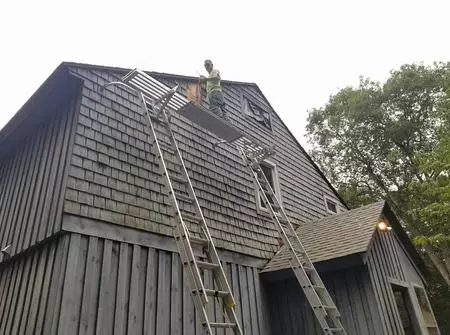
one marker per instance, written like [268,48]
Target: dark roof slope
[333,236]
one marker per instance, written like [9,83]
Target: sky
[298,52]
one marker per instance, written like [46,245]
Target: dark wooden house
[87,218]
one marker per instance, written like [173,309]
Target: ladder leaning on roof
[317,295]
[253,154]
[156,100]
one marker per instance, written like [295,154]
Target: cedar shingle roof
[333,236]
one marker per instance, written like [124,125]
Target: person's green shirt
[213,82]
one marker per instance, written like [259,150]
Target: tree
[392,141]
[378,141]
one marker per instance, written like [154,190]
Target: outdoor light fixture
[382,226]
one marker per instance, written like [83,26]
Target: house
[88,221]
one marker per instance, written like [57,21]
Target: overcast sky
[298,52]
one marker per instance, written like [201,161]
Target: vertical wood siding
[383,262]
[30,290]
[119,288]
[31,179]
[350,289]
[114,173]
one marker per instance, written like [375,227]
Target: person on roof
[214,90]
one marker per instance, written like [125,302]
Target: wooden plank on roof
[209,121]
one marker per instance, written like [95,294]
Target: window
[331,205]
[269,170]
[404,307]
[427,313]
[257,112]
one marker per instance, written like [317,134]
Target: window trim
[418,320]
[326,198]
[419,309]
[276,184]
[244,104]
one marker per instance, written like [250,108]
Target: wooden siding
[384,263]
[350,289]
[78,284]
[114,172]
[116,288]
[32,172]
[30,289]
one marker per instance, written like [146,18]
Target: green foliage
[392,141]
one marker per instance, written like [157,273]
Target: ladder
[189,226]
[315,291]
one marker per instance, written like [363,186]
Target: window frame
[326,198]
[244,105]
[277,190]
[419,309]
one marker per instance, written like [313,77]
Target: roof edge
[45,89]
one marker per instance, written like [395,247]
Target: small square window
[331,205]
[257,112]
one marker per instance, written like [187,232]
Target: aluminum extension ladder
[315,291]
[156,98]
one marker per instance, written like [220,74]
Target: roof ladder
[189,227]
[315,291]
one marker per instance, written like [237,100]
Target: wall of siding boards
[32,171]
[351,290]
[384,261]
[31,288]
[114,172]
[82,284]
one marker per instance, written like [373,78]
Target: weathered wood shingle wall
[351,290]
[114,173]
[32,171]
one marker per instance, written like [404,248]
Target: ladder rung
[334,330]
[222,325]
[178,179]
[308,269]
[329,307]
[183,197]
[198,240]
[213,293]
[191,217]
[319,287]
[207,265]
